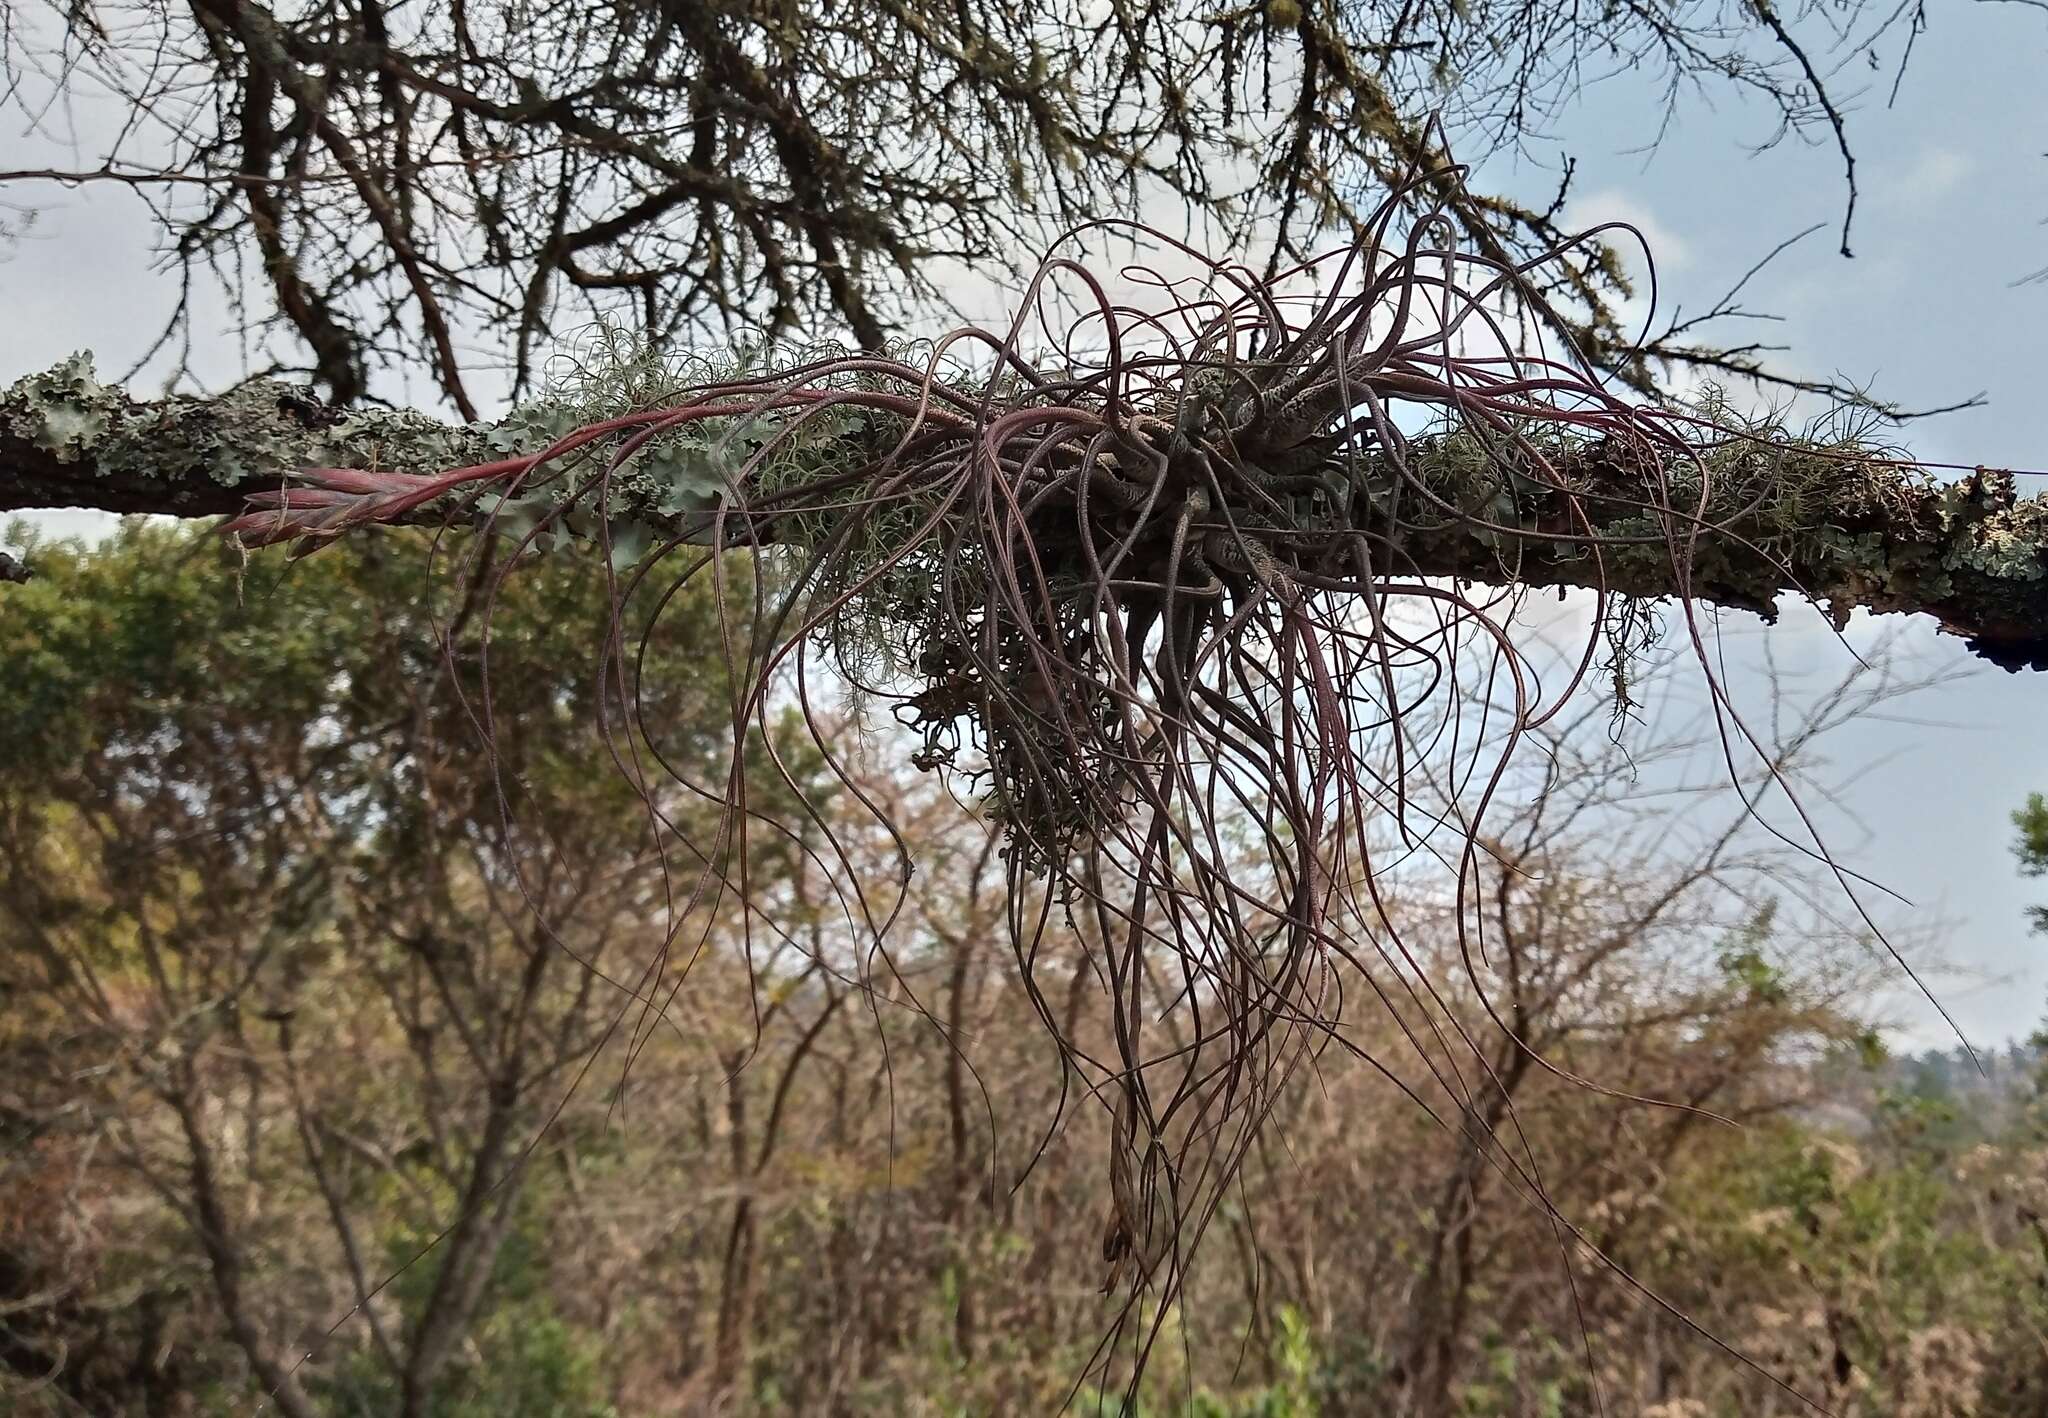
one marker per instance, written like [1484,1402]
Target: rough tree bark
[1969,552]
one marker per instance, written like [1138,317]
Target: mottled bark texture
[1969,552]
[67,440]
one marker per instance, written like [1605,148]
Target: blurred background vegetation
[297,995]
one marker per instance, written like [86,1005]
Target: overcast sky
[1954,182]
[1954,195]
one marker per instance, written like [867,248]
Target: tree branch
[1869,535]
[67,440]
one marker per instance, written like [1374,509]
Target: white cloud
[1933,174]
[1638,313]
[1610,205]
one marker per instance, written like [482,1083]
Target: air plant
[1154,600]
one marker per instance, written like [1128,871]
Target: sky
[1932,309]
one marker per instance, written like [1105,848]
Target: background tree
[400,189]
[816,1179]
[1144,580]
[2031,823]
[277,952]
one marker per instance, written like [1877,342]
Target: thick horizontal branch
[67,440]
[1845,533]
[1850,535]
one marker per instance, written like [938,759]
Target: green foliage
[1741,958]
[239,795]
[1311,1378]
[2031,848]
[1870,1049]
[1499,1391]
[157,695]
[138,654]
[522,1357]
[1886,1242]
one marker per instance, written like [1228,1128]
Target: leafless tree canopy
[450,187]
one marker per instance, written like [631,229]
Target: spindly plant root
[1155,601]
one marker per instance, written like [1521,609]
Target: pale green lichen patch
[64,430]
[64,409]
[637,492]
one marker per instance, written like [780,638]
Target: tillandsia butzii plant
[1149,596]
